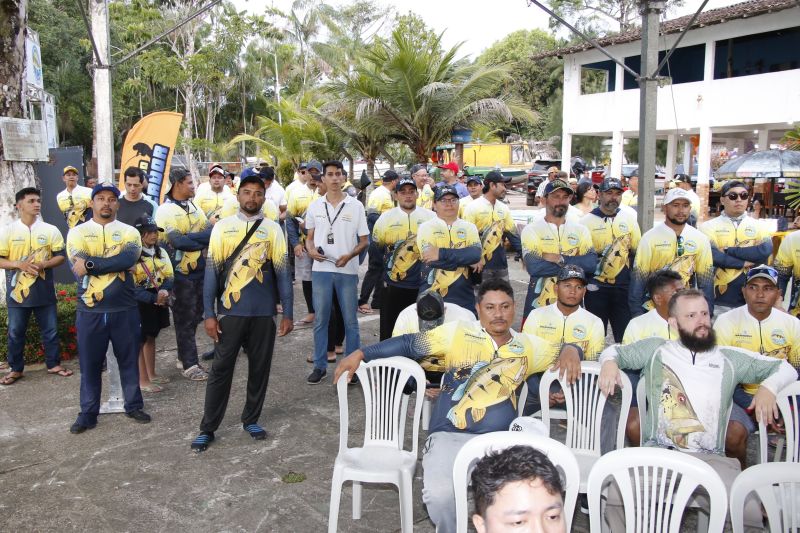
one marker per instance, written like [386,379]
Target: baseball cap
[145,223]
[529,424]
[70,168]
[443,190]
[100,187]
[177,174]
[557,184]
[251,178]
[405,180]
[571,272]
[314,164]
[609,184]
[430,310]
[684,178]
[246,173]
[676,194]
[553,170]
[476,178]
[496,176]
[452,165]
[216,169]
[303,165]
[763,271]
[728,185]
[416,168]
[390,175]
[266,173]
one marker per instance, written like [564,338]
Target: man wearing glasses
[737,243]
[675,245]
[424,182]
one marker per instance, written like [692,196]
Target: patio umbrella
[766,164]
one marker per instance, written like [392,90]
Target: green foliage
[293,477]
[792,139]
[601,16]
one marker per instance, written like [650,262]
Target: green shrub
[67,334]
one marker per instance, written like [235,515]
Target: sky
[470,21]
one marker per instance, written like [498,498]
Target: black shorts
[154,318]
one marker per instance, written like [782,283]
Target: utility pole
[104,136]
[648,103]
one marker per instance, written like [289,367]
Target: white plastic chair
[778,487]
[641,400]
[656,486]
[790,411]
[382,458]
[472,451]
[585,403]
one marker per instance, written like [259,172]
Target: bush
[66,303]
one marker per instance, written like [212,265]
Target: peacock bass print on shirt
[75,205]
[395,233]
[37,243]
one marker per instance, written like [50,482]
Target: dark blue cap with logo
[609,184]
[557,184]
[443,190]
[572,272]
[100,187]
[405,180]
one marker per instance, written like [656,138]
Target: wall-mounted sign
[461,135]
[23,140]
[33,60]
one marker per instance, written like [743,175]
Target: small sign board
[33,60]
[23,140]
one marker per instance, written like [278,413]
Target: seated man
[517,489]
[486,362]
[690,386]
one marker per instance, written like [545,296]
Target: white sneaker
[178,364]
[195,373]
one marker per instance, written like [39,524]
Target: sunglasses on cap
[770,271]
[740,196]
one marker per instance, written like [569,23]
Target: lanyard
[328,215]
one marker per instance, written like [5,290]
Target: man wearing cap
[242,314]
[297,201]
[552,173]
[759,327]
[675,245]
[380,201]
[550,242]
[615,237]
[684,182]
[133,204]
[395,235]
[30,249]
[449,246]
[450,177]
[231,205]
[102,252]
[301,177]
[485,363]
[475,188]
[75,200]
[211,199]
[493,219]
[631,196]
[738,242]
[420,175]
[186,234]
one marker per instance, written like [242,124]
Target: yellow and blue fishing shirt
[395,234]
[615,239]
[494,222]
[75,205]
[39,242]
[186,233]
[152,273]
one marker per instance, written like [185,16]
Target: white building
[735,81]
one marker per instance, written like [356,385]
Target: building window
[598,77]
[760,53]
[685,65]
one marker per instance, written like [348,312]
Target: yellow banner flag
[149,146]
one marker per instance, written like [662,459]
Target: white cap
[676,194]
[528,424]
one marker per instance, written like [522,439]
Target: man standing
[74,200]
[737,243]
[676,246]
[615,236]
[449,246]
[380,201]
[337,234]
[758,327]
[102,253]
[89,182]
[29,251]
[301,178]
[212,198]
[486,362]
[631,196]
[243,249]
[787,263]
[683,181]
[298,200]
[395,235]
[275,191]
[475,189]
[552,173]
[550,242]
[420,175]
[450,177]
[133,204]
[186,232]
[493,219]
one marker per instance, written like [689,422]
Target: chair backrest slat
[777,485]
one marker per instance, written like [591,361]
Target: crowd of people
[685,305]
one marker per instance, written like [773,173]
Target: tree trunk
[391,159]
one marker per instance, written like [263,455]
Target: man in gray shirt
[133,204]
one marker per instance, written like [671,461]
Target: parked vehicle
[537,174]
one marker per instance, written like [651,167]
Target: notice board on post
[24,140]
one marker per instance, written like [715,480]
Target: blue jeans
[323,284]
[47,320]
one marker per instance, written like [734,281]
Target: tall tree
[601,16]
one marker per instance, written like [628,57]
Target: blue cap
[609,184]
[100,187]
[476,178]
[246,173]
[315,165]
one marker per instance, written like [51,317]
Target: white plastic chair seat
[375,464]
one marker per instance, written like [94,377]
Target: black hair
[177,175]
[332,163]
[660,279]
[581,191]
[683,293]
[497,284]
[133,172]
[517,463]
[22,193]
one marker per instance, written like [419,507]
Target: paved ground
[123,476]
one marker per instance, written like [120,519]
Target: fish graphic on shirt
[679,415]
[22,281]
[489,384]
[403,257]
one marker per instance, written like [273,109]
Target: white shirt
[276,193]
[408,321]
[349,223]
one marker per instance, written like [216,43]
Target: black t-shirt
[129,211]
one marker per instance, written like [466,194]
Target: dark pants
[610,304]
[335,326]
[308,294]
[257,335]
[373,279]
[187,313]
[95,330]
[395,300]
[47,319]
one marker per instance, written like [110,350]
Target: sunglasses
[302,171]
[733,196]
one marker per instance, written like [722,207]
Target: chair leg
[426,414]
[702,521]
[406,503]
[356,500]
[779,449]
[336,495]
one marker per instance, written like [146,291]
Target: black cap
[390,175]
[100,187]
[266,173]
[557,184]
[405,180]
[430,310]
[609,184]
[572,272]
[475,178]
[251,178]
[145,223]
[302,166]
[496,176]
[683,178]
[732,184]
[443,190]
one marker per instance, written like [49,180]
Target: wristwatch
[89,265]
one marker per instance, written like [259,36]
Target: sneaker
[255,431]
[140,416]
[77,428]
[354,381]
[202,441]
[316,376]
[195,373]
[584,504]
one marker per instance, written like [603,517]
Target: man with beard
[690,387]
[674,245]
[615,236]
[379,202]
[759,327]
[550,242]
[495,224]
[244,249]
[212,197]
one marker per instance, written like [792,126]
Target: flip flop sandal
[152,388]
[159,380]
[304,323]
[8,379]
[339,351]
[364,310]
[4,366]
[63,372]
